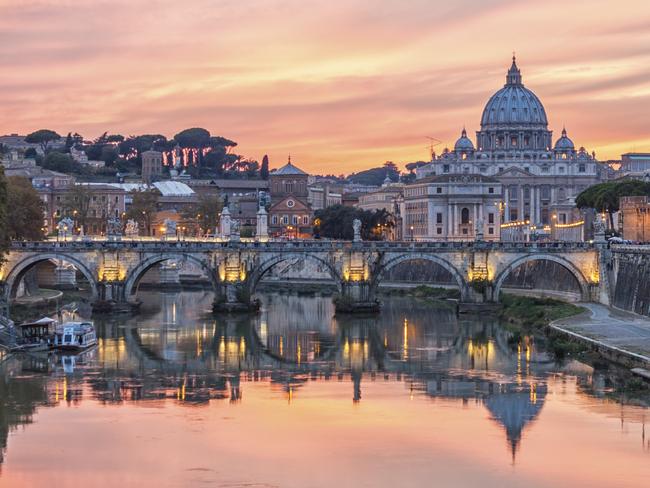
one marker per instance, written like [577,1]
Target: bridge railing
[297,245]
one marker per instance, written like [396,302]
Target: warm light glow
[568,226]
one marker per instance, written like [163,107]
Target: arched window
[464,215]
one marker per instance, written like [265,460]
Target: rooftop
[288,169]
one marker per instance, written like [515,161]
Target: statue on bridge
[132,229]
[170,228]
[224,224]
[65,227]
[478,235]
[114,228]
[356,225]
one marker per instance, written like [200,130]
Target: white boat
[75,335]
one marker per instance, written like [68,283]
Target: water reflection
[176,352]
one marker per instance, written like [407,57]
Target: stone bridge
[114,268]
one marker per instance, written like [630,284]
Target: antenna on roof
[433,142]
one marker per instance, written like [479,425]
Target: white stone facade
[514,146]
[452,208]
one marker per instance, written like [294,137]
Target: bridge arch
[379,274]
[265,266]
[135,274]
[583,283]
[19,269]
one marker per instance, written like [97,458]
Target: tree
[24,210]
[61,162]
[375,176]
[205,212]
[335,222]
[196,139]
[143,208]
[4,234]
[43,137]
[69,142]
[133,146]
[604,197]
[264,170]
[76,205]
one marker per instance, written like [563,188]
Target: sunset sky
[341,85]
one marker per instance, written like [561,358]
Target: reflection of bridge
[115,268]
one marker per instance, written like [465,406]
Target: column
[520,211]
[538,205]
[450,216]
[506,205]
[532,205]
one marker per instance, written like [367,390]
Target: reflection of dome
[515,409]
[464,143]
[513,104]
[564,143]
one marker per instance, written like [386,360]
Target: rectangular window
[491,189]
[582,168]
[491,230]
[305,219]
[490,218]
[274,220]
[285,219]
[294,219]
[439,230]
[445,168]
[438,189]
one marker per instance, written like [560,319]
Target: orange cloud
[340,86]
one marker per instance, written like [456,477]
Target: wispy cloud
[340,85]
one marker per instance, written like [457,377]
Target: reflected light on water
[409,398]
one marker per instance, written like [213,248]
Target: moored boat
[75,336]
[37,335]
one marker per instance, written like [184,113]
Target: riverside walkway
[621,335]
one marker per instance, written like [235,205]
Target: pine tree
[264,170]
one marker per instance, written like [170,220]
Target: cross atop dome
[514,75]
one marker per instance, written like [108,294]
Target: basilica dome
[464,143]
[513,105]
[564,143]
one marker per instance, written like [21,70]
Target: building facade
[152,166]
[635,214]
[515,146]
[290,214]
[457,207]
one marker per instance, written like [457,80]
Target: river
[295,397]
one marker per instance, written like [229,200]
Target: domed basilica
[514,147]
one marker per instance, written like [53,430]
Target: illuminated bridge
[114,268]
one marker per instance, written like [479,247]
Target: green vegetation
[604,197]
[42,137]
[531,312]
[336,223]
[376,176]
[532,315]
[4,234]
[61,162]
[24,210]
[205,213]
[142,209]
[423,291]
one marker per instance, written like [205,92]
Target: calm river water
[295,397]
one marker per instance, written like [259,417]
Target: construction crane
[433,142]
